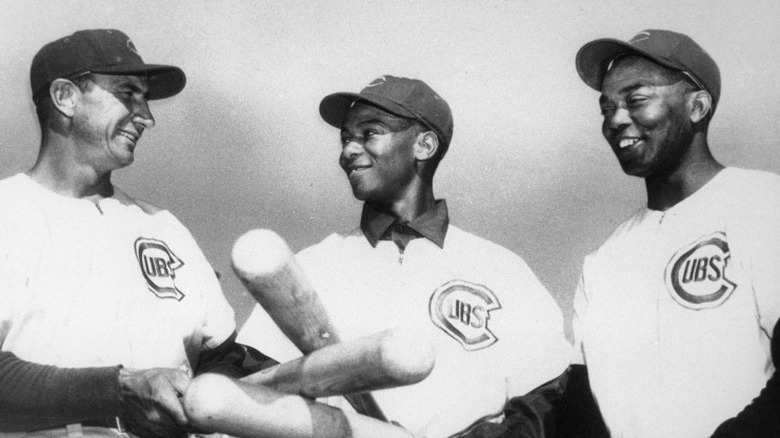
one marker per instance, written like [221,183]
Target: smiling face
[111,115]
[378,154]
[646,121]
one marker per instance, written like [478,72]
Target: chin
[360,195]
[633,169]
[128,160]
[361,192]
[120,164]
[368,197]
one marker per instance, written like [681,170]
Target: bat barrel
[383,360]
[266,266]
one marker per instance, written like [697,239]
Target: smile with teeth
[356,170]
[626,142]
[129,136]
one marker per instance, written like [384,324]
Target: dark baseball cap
[669,49]
[104,51]
[404,97]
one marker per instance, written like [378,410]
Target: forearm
[34,396]
[229,406]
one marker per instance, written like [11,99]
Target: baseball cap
[409,98]
[670,49]
[104,51]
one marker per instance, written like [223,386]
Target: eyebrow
[124,82]
[624,90]
[630,88]
[368,122]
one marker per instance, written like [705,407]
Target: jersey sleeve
[261,332]
[220,320]
[546,349]
[760,417]
[578,322]
[757,240]
[218,317]
[14,259]
[762,234]
[6,285]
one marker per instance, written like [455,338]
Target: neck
[410,207]
[692,173]
[59,170]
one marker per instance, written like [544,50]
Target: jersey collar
[378,225]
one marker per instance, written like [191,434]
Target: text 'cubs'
[696,276]
[462,310]
[158,266]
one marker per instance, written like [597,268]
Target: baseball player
[674,313]
[108,305]
[496,330]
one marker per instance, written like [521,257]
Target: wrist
[124,378]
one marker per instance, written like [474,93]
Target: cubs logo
[697,276]
[462,310]
[158,266]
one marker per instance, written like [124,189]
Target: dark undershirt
[35,396]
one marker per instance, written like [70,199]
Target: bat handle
[364,403]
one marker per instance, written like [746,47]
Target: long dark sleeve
[577,414]
[34,396]
[761,418]
[561,408]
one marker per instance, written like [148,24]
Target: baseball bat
[383,360]
[216,403]
[267,267]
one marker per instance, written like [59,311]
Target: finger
[179,382]
[171,404]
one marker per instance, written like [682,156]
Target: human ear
[426,146]
[700,105]
[63,96]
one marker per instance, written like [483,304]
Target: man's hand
[150,399]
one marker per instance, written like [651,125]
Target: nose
[616,121]
[143,115]
[351,149]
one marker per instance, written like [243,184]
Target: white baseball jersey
[496,330]
[85,284]
[675,311]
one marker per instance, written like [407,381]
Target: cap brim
[593,59]
[163,80]
[334,107]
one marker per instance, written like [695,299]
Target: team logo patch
[462,310]
[158,266]
[697,276]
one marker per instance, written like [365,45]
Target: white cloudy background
[243,146]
